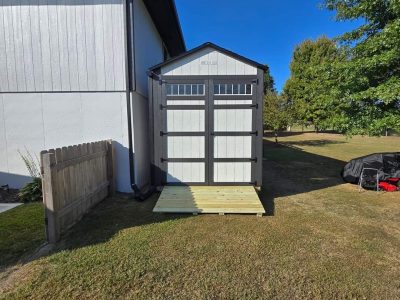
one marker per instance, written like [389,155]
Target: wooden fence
[75,178]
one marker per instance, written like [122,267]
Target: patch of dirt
[8,195]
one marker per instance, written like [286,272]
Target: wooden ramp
[209,199]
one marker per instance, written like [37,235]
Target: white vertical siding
[44,47]
[72,47]
[148,45]
[62,45]
[9,46]
[82,72]
[34,18]
[118,44]
[3,56]
[208,62]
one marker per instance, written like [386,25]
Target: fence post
[110,168]
[50,197]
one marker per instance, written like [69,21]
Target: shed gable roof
[215,47]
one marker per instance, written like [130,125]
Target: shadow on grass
[110,217]
[288,170]
[271,134]
[314,143]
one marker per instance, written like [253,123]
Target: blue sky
[263,30]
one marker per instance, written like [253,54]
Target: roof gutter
[130,87]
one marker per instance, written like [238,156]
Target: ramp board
[209,199]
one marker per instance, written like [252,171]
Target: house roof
[218,48]
[166,20]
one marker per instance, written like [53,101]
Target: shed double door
[209,131]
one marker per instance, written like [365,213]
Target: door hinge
[163,160]
[254,105]
[162,133]
[162,106]
[256,81]
[254,133]
[254,159]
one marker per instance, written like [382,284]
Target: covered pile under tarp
[387,164]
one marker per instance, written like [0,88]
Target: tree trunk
[276,136]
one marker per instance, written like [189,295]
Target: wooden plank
[209,199]
[110,168]
[50,196]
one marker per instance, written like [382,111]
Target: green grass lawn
[323,239]
[21,232]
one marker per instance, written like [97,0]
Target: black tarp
[388,165]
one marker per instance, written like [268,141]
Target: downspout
[131,74]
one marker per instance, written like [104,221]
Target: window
[185,89]
[233,89]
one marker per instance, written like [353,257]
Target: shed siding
[59,119]
[208,61]
[60,45]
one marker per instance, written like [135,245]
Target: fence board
[75,178]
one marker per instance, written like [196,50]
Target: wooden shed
[206,119]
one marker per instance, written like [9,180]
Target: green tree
[276,116]
[369,79]
[269,83]
[311,89]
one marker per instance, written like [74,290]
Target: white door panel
[185,120]
[232,172]
[233,120]
[186,172]
[186,147]
[232,147]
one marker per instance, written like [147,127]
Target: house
[76,71]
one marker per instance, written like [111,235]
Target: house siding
[63,81]
[36,121]
[59,45]
[148,48]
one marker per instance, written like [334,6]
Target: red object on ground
[393,180]
[387,187]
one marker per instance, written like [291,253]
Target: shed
[206,119]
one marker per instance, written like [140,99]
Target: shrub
[33,190]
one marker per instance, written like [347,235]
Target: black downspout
[130,52]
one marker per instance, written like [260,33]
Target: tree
[276,116]
[311,89]
[370,77]
[269,83]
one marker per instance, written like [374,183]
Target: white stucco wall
[40,121]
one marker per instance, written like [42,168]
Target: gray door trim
[160,135]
